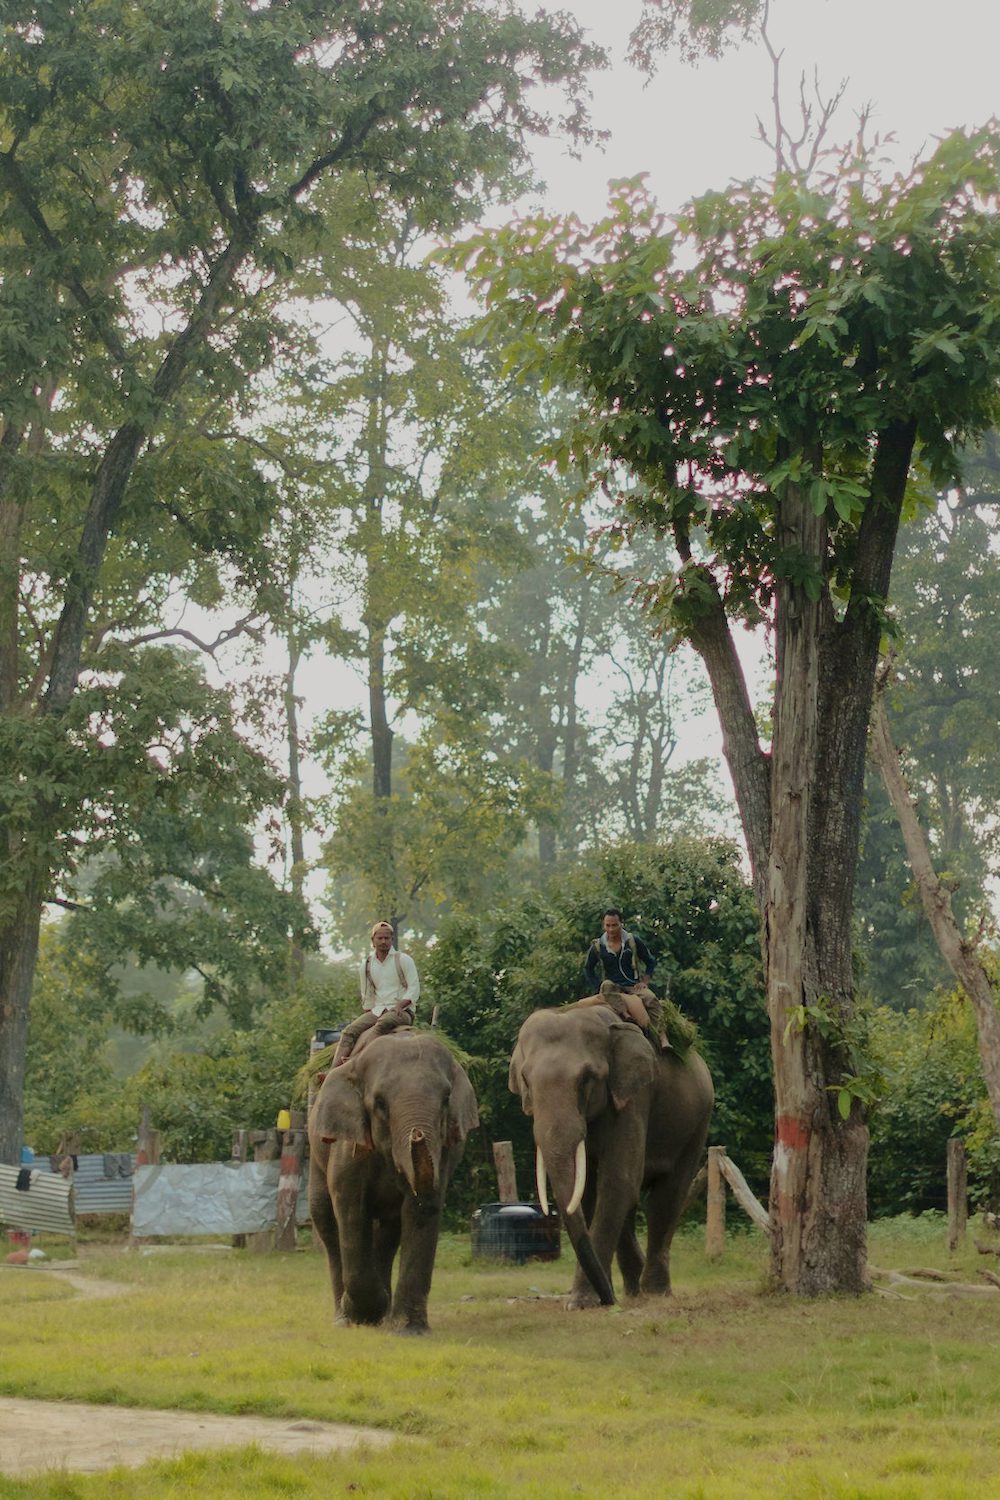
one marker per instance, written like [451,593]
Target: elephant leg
[630,1257]
[613,1175]
[365,1298]
[385,1242]
[664,1205]
[325,1225]
[421,1222]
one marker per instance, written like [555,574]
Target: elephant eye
[379,1104]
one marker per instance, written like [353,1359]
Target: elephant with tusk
[611,1120]
[385,1134]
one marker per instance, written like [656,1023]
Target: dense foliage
[932,1089]
[199,1083]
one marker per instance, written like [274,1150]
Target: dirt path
[71,1435]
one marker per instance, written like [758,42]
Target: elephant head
[585,1079]
[404,1097]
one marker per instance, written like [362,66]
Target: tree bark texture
[571,756]
[296,952]
[11,517]
[958,953]
[817,1174]
[18,954]
[749,767]
[381,729]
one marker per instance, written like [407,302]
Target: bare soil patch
[71,1435]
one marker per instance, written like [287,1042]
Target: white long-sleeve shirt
[384,976]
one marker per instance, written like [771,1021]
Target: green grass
[722,1392]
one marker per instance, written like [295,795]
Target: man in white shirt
[390,990]
[388,978]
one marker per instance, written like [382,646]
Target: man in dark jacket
[619,966]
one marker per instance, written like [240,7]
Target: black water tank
[515,1231]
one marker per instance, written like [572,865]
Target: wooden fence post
[293,1142]
[715,1219]
[147,1154]
[958,1201]
[147,1148]
[239,1154]
[503,1157]
[266,1147]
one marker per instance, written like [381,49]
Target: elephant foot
[368,1311]
[656,1286]
[578,1301]
[411,1330]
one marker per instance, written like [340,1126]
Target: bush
[932,1090]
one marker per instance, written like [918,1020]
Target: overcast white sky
[924,69]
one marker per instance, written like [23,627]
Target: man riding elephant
[619,967]
[390,990]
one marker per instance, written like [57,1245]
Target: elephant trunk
[416,1153]
[423,1177]
[568,1170]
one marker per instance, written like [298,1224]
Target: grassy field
[723,1391]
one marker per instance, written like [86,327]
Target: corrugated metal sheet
[46,1202]
[102,1182]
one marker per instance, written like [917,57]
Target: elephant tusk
[581,1179]
[543,1197]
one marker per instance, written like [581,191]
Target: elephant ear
[516,1082]
[631,1064]
[339,1113]
[463,1112]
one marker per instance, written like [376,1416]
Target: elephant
[386,1132]
[612,1119]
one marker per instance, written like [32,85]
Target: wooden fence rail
[722,1170]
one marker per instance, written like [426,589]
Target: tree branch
[244,626]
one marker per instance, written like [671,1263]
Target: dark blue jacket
[602,963]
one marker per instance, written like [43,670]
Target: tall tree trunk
[803,858]
[818,1169]
[749,767]
[545,753]
[570,714]
[296,949]
[958,953]
[18,954]
[11,520]
[382,733]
